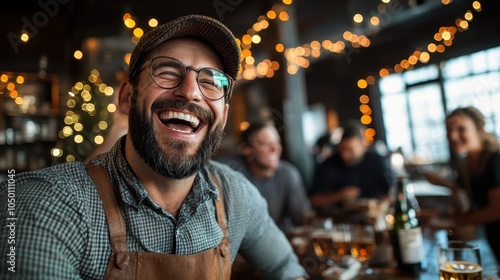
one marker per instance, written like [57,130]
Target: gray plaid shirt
[61,230]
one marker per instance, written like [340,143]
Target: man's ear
[225,114]
[125,97]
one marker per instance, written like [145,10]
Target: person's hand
[436,179]
[350,193]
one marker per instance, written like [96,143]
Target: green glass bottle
[406,234]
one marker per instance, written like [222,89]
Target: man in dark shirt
[278,181]
[352,172]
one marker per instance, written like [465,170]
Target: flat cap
[209,30]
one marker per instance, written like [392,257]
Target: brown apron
[213,263]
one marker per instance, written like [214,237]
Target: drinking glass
[459,260]
[341,240]
[321,236]
[363,246]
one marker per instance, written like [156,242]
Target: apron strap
[114,217]
[116,224]
[220,209]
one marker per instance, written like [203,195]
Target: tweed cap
[205,28]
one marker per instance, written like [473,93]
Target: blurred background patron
[476,160]
[353,171]
[278,181]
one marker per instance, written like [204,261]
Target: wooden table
[387,271]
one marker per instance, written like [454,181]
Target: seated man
[278,181]
[352,172]
[155,206]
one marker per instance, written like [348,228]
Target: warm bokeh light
[412,60]
[130,23]
[4,78]
[246,39]
[374,20]
[476,5]
[283,16]
[362,84]
[102,125]
[431,47]
[271,14]
[366,119]
[245,53]
[287,2]
[249,60]
[56,152]
[98,139]
[370,80]
[383,72]
[358,18]
[20,79]
[138,32]
[25,37]
[256,39]
[370,132]
[425,57]
[364,99]
[244,126]
[13,94]
[446,35]
[275,65]
[111,108]
[78,54]
[78,127]
[292,69]
[70,158]
[446,2]
[468,16]
[78,138]
[280,48]
[365,109]
[11,86]
[464,24]
[153,22]
[126,16]
[440,48]
[108,91]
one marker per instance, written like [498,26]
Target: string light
[442,39]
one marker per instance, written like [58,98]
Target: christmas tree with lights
[87,119]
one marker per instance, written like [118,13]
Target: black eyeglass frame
[226,95]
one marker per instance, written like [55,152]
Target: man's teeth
[181,116]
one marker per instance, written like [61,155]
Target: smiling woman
[478,170]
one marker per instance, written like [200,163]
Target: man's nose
[189,88]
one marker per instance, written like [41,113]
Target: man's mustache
[181,105]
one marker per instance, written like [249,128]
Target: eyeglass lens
[169,73]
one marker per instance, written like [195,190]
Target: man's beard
[173,162]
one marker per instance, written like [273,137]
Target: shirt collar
[132,190]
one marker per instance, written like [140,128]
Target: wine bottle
[406,234]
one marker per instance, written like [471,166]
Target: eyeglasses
[168,73]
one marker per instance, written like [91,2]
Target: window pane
[392,84]
[456,68]
[421,75]
[397,123]
[469,91]
[479,63]
[427,116]
[494,59]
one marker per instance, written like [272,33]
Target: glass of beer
[363,246]
[460,261]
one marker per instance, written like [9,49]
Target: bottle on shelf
[406,233]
